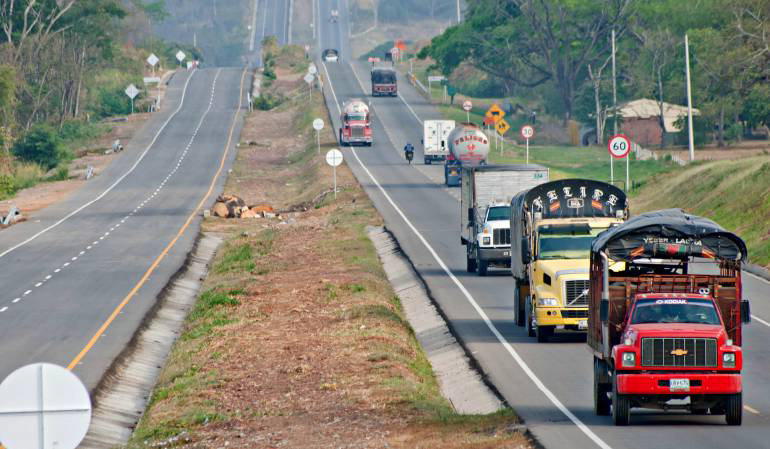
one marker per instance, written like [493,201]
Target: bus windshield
[675,310]
[566,241]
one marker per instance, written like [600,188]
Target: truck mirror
[604,310]
[745,311]
[525,253]
[471,217]
[422,141]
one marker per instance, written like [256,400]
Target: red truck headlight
[728,360]
[629,359]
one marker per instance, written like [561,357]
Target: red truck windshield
[675,310]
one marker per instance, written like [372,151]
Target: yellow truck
[552,226]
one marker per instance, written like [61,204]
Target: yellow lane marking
[165,251]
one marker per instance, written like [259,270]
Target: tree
[40,145]
[532,42]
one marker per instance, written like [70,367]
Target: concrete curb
[460,383]
[124,393]
[757,271]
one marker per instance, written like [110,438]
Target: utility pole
[691,140]
[458,12]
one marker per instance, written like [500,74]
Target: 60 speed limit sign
[619,146]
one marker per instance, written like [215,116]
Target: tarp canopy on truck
[669,234]
[573,198]
[384,76]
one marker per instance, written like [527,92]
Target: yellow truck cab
[552,227]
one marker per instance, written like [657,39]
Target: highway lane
[564,367]
[271,19]
[60,286]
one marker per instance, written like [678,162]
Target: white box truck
[485,211]
[435,145]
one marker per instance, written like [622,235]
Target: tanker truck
[356,123]
[468,145]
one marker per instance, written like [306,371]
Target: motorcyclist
[409,152]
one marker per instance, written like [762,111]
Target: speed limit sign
[527,132]
[467,105]
[619,146]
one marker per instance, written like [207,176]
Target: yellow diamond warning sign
[502,126]
[495,112]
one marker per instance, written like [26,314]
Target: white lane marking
[760,320]
[38,284]
[27,293]
[66,264]
[118,181]
[57,270]
[15,300]
[515,355]
[3,309]
[48,277]
[751,409]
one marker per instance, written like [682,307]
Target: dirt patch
[298,339]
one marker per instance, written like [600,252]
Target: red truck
[356,123]
[664,337]
[384,82]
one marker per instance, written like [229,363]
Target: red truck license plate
[679,384]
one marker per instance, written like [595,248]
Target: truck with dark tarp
[552,226]
[384,82]
[665,317]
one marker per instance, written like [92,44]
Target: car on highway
[330,55]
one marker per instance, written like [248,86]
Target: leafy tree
[40,145]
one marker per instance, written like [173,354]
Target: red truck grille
[357,131]
[675,352]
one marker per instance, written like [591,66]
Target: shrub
[40,145]
[7,187]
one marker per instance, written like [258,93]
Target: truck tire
[621,406]
[544,333]
[528,315]
[481,265]
[601,401]
[470,266]
[734,409]
[518,305]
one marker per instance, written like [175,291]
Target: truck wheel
[340,133]
[528,315]
[518,305]
[621,406]
[481,265]
[427,161]
[543,333]
[734,409]
[471,264]
[601,401]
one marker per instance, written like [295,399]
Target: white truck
[435,146]
[485,211]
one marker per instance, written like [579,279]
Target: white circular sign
[467,105]
[527,131]
[334,157]
[318,124]
[619,146]
[43,405]
[180,56]
[312,69]
[309,78]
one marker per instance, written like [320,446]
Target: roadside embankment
[298,339]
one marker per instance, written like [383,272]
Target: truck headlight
[486,240]
[728,360]
[629,359]
[547,302]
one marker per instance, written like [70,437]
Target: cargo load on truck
[384,82]
[356,123]
[552,226]
[485,211]
[665,317]
[435,140]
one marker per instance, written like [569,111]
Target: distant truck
[659,332]
[384,82]
[485,211]
[435,145]
[552,226]
[468,146]
[356,123]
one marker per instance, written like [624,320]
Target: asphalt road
[549,385]
[66,270]
[271,19]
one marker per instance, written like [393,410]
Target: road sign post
[318,125]
[527,132]
[309,80]
[180,57]
[502,127]
[495,112]
[467,106]
[131,91]
[619,146]
[334,158]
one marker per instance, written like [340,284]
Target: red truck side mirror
[745,311]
